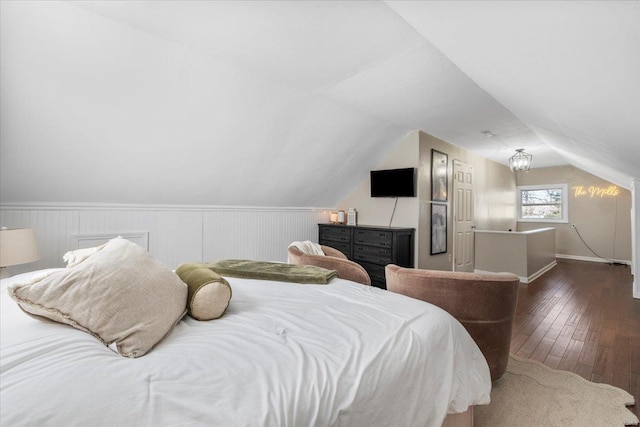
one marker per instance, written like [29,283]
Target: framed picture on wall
[438,228]
[439,167]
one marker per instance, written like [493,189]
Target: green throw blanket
[307,274]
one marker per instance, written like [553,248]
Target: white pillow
[119,294]
[76,257]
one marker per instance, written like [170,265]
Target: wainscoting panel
[90,240]
[52,227]
[261,235]
[177,234]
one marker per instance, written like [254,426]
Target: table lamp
[17,246]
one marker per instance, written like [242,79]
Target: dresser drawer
[373,247]
[335,234]
[376,273]
[343,247]
[373,237]
[374,254]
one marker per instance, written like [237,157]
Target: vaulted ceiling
[273,103]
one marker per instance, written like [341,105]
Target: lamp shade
[18,246]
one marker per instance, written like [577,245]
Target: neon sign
[593,191]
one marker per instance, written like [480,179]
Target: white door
[463,256]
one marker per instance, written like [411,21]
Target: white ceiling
[292,103]
[569,70]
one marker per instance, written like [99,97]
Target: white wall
[495,202]
[603,222]
[635,237]
[177,234]
[378,210]
[494,205]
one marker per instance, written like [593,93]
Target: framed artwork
[438,228]
[439,167]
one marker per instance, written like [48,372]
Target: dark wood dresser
[373,247]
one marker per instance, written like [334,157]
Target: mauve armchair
[332,259]
[485,304]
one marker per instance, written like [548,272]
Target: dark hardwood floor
[581,317]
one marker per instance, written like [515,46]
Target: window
[543,203]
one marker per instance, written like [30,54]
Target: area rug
[531,394]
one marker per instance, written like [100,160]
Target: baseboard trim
[540,272]
[524,279]
[592,259]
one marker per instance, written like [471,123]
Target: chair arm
[346,269]
[466,296]
[484,304]
[295,255]
[329,251]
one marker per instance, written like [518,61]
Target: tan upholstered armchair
[333,259]
[485,304]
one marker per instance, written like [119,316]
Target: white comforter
[283,354]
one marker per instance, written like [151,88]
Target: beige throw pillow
[119,294]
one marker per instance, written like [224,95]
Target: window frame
[564,204]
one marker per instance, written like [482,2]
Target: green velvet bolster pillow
[209,293]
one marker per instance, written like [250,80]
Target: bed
[283,354]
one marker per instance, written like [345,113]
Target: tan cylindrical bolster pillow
[209,293]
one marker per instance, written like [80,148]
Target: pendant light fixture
[521,161]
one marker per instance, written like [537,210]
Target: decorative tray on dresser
[373,247]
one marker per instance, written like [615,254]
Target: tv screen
[393,183]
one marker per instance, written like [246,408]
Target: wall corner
[635,236]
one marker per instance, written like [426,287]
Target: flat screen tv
[393,183]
